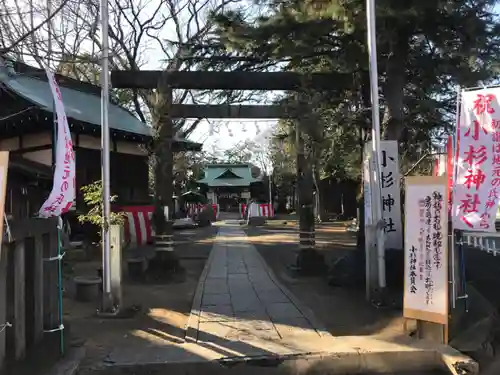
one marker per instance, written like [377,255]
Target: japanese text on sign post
[477,185]
[391,201]
[426,256]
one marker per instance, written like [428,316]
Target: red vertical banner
[477,180]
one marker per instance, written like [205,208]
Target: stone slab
[216,313]
[271,296]
[215,286]
[215,299]
[281,328]
[283,310]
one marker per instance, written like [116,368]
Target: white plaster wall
[42,157]
[45,138]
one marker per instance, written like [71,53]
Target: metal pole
[377,198]
[59,220]
[452,227]
[106,240]
[270,191]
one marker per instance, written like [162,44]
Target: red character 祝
[483,104]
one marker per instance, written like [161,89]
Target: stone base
[163,261]
[135,268]
[257,221]
[87,288]
[308,263]
[348,271]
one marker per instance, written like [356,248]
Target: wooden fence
[28,287]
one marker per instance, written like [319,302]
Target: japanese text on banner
[62,195]
[478,170]
[391,201]
[426,269]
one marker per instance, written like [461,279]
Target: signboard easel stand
[426,297]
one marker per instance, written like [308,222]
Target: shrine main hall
[230,185]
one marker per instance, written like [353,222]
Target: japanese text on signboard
[478,170]
[390,185]
[425,249]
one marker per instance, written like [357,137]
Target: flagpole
[59,220]
[377,197]
[107,303]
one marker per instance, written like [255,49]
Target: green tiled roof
[78,105]
[214,175]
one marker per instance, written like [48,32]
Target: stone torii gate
[308,259]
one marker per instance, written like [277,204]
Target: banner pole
[454,141]
[376,191]
[107,302]
[59,220]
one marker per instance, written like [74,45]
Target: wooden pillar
[308,260]
[19,323]
[38,289]
[50,285]
[304,182]
[3,303]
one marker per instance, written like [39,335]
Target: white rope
[4,326]
[7,228]
[60,328]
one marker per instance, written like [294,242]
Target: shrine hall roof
[219,175]
[82,101]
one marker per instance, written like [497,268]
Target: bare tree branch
[33,29]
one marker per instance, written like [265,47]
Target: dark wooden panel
[129,173]
[3,302]
[229,80]
[232,111]
[29,290]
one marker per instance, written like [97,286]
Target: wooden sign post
[426,256]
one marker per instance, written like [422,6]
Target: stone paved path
[241,312]
[240,303]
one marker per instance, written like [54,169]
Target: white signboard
[477,184]
[426,249]
[391,194]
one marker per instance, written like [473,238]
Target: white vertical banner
[477,184]
[62,195]
[4,166]
[426,249]
[391,194]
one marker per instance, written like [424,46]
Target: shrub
[92,195]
